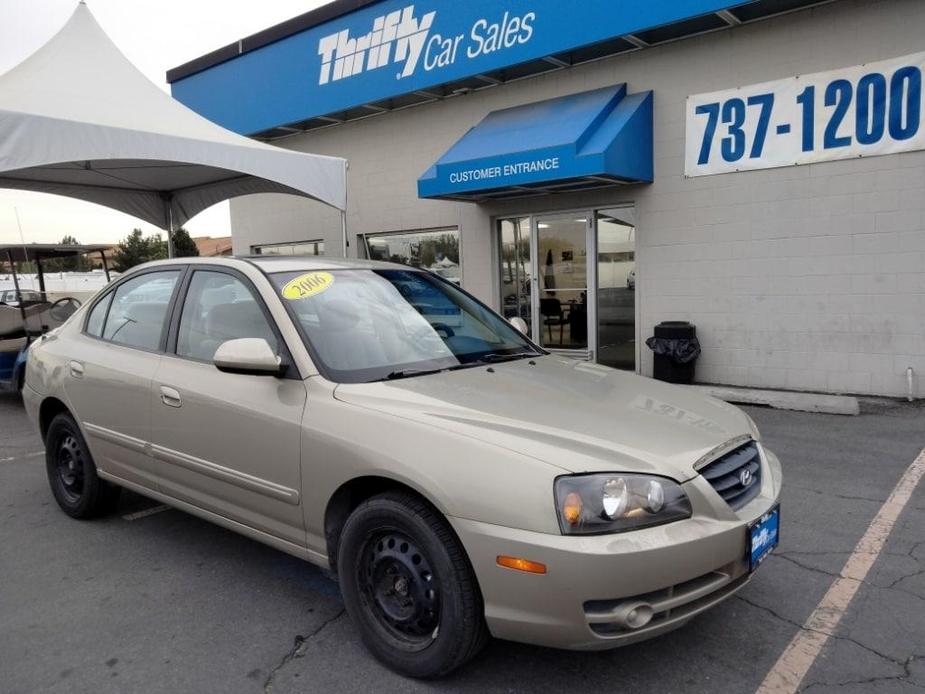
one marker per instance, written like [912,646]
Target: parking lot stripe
[796,660]
[22,457]
[144,513]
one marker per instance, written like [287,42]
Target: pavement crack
[834,636]
[905,677]
[821,553]
[786,556]
[847,497]
[892,586]
[299,646]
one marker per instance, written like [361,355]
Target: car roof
[295,263]
[285,263]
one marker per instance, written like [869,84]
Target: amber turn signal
[571,509]
[518,564]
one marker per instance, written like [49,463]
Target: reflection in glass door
[616,287]
[562,286]
[516,269]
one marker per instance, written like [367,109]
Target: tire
[408,586]
[72,474]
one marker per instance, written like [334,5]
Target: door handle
[170,397]
[77,369]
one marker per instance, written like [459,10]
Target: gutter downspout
[343,214]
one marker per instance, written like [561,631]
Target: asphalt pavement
[155,600]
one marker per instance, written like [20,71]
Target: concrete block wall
[805,278]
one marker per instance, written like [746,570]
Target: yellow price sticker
[307,285]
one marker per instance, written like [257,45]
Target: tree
[157,247]
[135,249]
[183,244]
[77,263]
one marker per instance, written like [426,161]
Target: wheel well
[350,495]
[49,409]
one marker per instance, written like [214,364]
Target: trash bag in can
[676,349]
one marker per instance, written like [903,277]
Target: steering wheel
[64,308]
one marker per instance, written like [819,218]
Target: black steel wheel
[72,474]
[408,586]
[399,588]
[69,466]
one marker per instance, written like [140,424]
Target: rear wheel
[72,474]
[408,586]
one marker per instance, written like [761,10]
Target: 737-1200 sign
[865,110]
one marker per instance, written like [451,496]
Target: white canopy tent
[78,119]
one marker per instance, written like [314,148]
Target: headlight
[605,503]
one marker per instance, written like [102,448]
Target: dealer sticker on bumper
[763,536]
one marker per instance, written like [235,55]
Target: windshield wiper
[494,357]
[406,373]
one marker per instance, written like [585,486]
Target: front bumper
[679,570]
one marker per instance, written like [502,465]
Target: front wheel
[408,586]
[72,474]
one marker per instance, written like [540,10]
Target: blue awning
[576,142]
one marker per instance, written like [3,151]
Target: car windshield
[370,325]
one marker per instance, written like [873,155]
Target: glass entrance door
[616,287]
[572,278]
[560,304]
[516,269]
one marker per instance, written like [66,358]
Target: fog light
[634,615]
[639,616]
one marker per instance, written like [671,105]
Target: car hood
[578,416]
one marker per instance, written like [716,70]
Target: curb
[785,400]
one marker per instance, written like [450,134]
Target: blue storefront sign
[397,47]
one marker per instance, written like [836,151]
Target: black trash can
[676,350]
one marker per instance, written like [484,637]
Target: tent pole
[171,251]
[19,297]
[104,264]
[40,271]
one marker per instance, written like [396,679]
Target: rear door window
[98,316]
[139,306]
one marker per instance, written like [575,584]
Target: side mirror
[248,355]
[519,323]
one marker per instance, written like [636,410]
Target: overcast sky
[156,35]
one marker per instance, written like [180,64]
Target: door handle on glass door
[77,369]
[170,397]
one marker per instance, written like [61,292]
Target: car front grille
[736,475]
